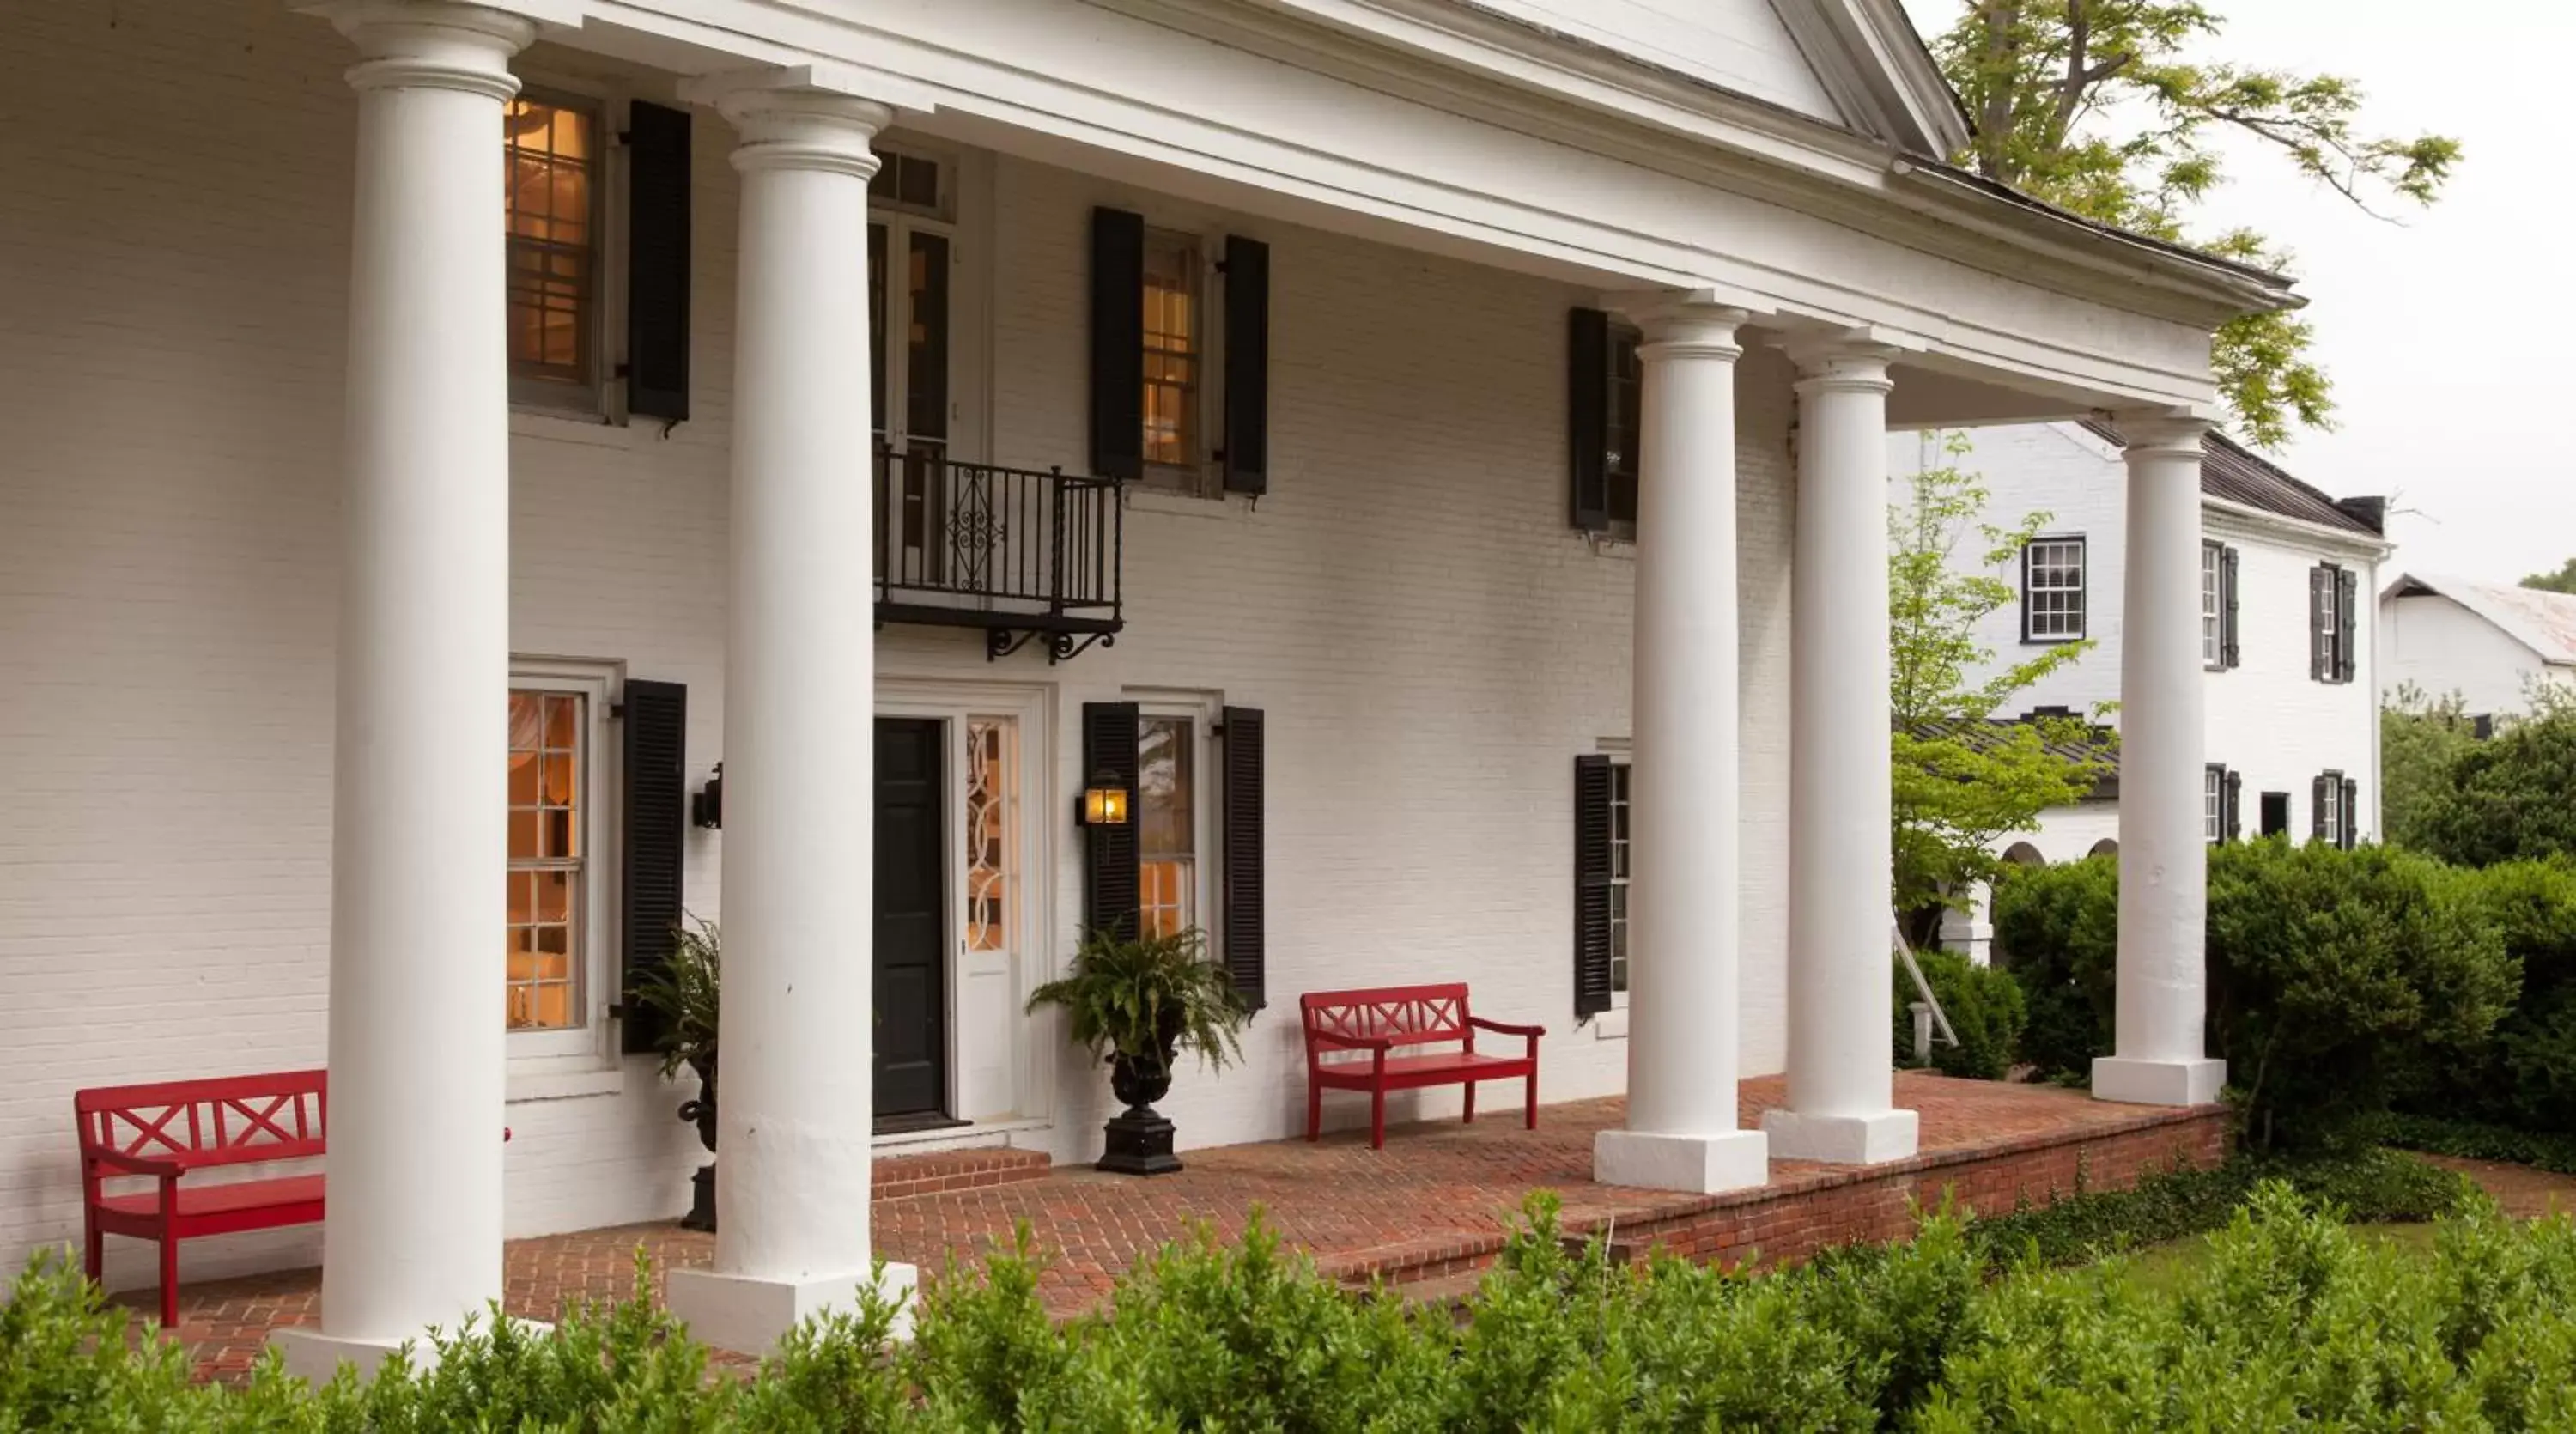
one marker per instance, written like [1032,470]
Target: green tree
[2561,581]
[1961,778]
[2095,106]
[2421,739]
[2513,797]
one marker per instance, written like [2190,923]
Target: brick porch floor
[1435,1202]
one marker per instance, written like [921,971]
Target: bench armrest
[136,1164]
[1505,1028]
[1350,1043]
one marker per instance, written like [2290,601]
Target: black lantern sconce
[1103,804]
[706,809]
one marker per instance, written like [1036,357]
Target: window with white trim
[2213,804]
[2052,590]
[1167,824]
[1619,881]
[1175,351]
[557,932]
[553,207]
[2213,562]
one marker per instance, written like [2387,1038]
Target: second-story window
[2333,622]
[1173,357]
[2052,590]
[551,150]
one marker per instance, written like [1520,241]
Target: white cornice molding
[2265,522]
[1865,53]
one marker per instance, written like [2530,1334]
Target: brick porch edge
[1812,1207]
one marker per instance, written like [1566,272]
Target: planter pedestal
[1140,1143]
[702,1200]
[701,1112]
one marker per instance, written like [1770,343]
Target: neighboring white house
[1355,430]
[2285,638]
[2491,643]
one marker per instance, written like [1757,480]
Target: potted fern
[683,995]
[1141,1003]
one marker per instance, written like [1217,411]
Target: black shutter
[2231,792]
[657,262]
[2351,835]
[2321,587]
[2227,607]
[1244,950]
[1247,367]
[2317,809]
[1109,882]
[1587,417]
[657,756]
[1591,886]
[1118,346]
[2347,623]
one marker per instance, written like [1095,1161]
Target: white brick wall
[1432,646]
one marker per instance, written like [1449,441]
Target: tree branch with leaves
[2096,106]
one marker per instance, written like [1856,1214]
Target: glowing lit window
[551,149]
[549,816]
[1167,862]
[1172,350]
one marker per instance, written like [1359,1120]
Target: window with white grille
[2052,590]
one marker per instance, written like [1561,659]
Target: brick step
[930,1173]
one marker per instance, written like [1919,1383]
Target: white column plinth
[795,1120]
[1841,1086]
[2164,852]
[419,802]
[1683,789]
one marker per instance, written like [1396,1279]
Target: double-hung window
[1167,824]
[1619,882]
[2052,590]
[2333,622]
[1175,355]
[1627,435]
[551,149]
[2219,791]
[557,910]
[2217,606]
[2335,806]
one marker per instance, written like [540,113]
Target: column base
[316,1357]
[1700,1164]
[1843,1139]
[747,1313]
[2180,1082]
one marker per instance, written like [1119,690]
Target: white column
[1841,1104]
[418,841]
[2164,875]
[795,1118]
[1683,789]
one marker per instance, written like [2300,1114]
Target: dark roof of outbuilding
[2097,742]
[2233,473]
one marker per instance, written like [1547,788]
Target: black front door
[911,926]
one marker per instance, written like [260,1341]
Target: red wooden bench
[168,1130]
[1346,1025]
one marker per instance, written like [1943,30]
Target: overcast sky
[2451,339]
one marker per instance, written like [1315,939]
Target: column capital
[1845,363]
[1686,325]
[433,44]
[2160,435]
[819,116]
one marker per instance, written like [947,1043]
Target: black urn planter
[702,1186]
[1140,1140]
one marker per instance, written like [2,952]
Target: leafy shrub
[2292,1323]
[1985,1010]
[2331,971]
[2367,1184]
[2512,798]
[2525,1074]
[2476,1140]
[2057,932]
[2335,977]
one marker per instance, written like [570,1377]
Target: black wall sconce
[706,809]
[1103,804]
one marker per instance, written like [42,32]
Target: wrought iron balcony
[1021,554]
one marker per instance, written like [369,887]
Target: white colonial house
[1431,455]
[2284,640]
[2495,645]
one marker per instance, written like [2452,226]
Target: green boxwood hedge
[2291,1323]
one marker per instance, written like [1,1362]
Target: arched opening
[2105,847]
[2022,854]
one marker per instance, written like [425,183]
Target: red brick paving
[1436,1201]
[2521,1191]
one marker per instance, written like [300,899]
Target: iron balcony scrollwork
[1028,557]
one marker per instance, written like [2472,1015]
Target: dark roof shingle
[2233,473]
